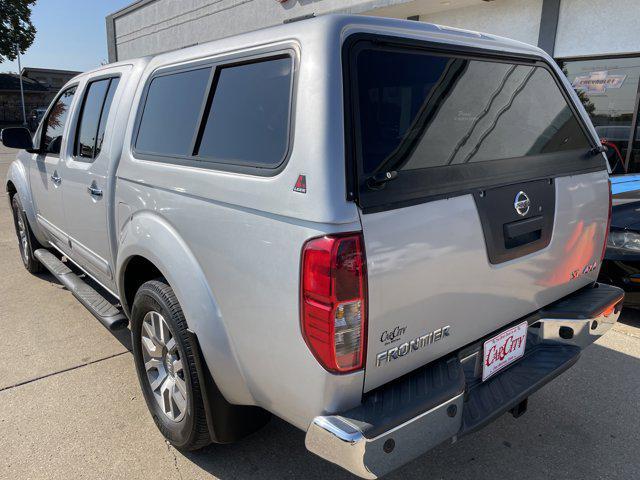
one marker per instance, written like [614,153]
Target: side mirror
[16,137]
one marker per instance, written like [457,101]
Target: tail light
[606,233]
[333,297]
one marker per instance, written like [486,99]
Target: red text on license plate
[503,349]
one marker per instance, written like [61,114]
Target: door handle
[94,191]
[521,232]
[56,179]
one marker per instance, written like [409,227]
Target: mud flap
[227,422]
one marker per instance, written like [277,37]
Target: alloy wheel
[164,367]
[22,237]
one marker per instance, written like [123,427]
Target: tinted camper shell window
[234,115]
[443,122]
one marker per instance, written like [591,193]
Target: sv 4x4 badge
[586,269]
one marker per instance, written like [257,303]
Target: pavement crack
[175,458]
[75,367]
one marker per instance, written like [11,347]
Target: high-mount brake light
[333,300]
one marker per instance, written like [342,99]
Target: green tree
[582,95]
[16,29]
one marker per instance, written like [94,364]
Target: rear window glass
[418,110]
[248,119]
[171,113]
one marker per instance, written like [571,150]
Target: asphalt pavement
[71,408]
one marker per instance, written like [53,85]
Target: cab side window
[57,119]
[93,118]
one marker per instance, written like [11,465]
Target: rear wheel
[164,358]
[27,242]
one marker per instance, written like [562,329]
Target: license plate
[504,349]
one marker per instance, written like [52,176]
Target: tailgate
[429,270]
[480,201]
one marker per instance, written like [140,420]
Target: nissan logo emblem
[522,203]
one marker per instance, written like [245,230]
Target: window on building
[171,113]
[93,117]
[56,121]
[607,88]
[248,120]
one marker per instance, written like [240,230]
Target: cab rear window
[452,122]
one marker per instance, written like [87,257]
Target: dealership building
[597,42]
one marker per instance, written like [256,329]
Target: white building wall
[517,19]
[598,27]
[164,25]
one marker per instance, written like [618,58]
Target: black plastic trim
[488,400]
[499,219]
[586,303]
[407,397]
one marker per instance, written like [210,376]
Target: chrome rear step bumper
[338,441]
[446,399]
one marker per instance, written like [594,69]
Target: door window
[93,118]
[105,114]
[56,121]
[607,89]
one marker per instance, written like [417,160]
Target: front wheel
[164,358]
[27,242]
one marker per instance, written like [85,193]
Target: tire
[170,385]
[27,242]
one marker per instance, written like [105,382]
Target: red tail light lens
[333,296]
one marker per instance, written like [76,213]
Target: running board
[107,314]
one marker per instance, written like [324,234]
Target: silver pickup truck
[384,232]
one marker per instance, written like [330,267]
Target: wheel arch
[149,246]
[17,183]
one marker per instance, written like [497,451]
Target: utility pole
[24,110]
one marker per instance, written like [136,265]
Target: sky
[71,34]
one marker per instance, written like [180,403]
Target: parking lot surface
[70,407]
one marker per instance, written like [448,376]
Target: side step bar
[107,314]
